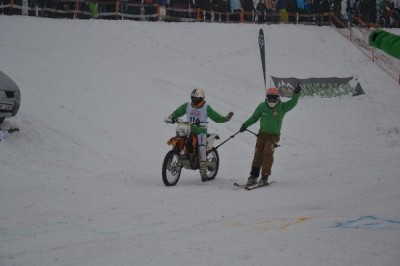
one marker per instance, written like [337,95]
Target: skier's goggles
[272,98]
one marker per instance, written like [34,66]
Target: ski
[258,186]
[240,185]
[245,186]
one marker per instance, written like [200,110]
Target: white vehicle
[10,97]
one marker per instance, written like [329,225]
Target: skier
[270,113]
[197,111]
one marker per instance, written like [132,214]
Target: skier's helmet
[272,97]
[197,96]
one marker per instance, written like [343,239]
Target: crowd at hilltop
[385,14]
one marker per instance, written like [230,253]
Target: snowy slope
[80,184]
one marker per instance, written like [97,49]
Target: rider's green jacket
[271,118]
[211,113]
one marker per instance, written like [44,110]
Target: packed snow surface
[80,183]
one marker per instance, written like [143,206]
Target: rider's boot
[203,171]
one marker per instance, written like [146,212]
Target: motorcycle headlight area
[183,130]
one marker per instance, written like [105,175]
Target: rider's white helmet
[197,96]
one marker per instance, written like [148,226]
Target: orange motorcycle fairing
[179,144]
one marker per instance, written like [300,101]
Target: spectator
[385,14]
[32,7]
[396,6]
[261,10]
[220,5]
[292,9]
[282,11]
[337,8]
[248,7]
[163,9]
[268,10]
[5,10]
[235,5]
[203,4]
[349,12]
[309,10]
[300,4]
[371,11]
[326,8]
[275,14]
[396,12]
[318,11]
[268,4]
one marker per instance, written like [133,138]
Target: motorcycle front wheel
[212,164]
[171,169]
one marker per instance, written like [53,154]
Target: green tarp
[386,41]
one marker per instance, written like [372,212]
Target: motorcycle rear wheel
[171,170]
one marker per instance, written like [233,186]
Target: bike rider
[197,111]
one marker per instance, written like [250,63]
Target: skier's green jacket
[205,110]
[271,118]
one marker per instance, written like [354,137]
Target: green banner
[320,87]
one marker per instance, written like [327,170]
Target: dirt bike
[184,154]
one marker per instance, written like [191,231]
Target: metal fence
[148,10]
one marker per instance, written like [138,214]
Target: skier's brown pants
[264,153]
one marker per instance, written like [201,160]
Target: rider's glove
[170,119]
[242,128]
[229,116]
[297,89]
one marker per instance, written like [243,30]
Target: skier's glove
[242,128]
[229,116]
[297,89]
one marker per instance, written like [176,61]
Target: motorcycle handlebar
[178,120]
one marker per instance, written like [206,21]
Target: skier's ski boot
[254,174]
[252,180]
[203,171]
[263,181]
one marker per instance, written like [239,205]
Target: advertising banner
[319,87]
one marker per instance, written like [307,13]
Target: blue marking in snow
[369,222]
